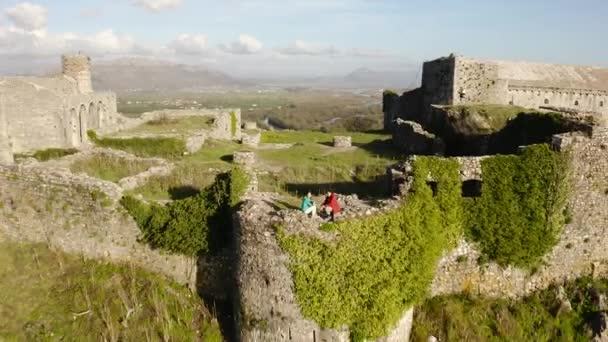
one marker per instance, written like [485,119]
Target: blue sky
[306,37]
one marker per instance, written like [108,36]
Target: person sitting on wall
[330,206]
[308,206]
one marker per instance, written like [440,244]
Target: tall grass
[48,295]
[110,168]
[50,153]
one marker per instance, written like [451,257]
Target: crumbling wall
[582,245]
[78,214]
[266,305]
[411,138]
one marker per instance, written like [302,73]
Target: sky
[283,38]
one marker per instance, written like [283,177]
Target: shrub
[520,213]
[534,318]
[381,265]
[195,225]
[233,123]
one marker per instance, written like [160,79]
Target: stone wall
[582,245]
[52,112]
[266,304]
[221,129]
[411,138]
[78,214]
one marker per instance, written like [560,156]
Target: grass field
[51,296]
[311,164]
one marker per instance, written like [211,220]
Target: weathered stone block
[244,158]
[342,141]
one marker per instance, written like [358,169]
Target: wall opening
[101,115]
[576,103]
[82,123]
[433,186]
[75,128]
[601,103]
[546,101]
[93,119]
[471,188]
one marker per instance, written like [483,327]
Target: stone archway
[101,115]
[82,123]
[74,128]
[92,118]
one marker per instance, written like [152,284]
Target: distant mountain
[359,78]
[146,74]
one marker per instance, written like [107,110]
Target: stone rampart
[411,138]
[582,245]
[266,304]
[78,214]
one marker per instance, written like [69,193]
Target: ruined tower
[78,67]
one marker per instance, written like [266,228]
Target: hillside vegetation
[46,295]
[541,316]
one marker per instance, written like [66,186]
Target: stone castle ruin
[456,80]
[57,111]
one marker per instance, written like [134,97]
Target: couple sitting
[330,206]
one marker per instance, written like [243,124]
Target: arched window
[576,103]
[546,101]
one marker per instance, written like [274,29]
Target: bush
[233,123]
[520,213]
[381,265]
[195,225]
[467,318]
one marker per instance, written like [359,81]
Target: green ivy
[195,225]
[233,123]
[520,213]
[381,265]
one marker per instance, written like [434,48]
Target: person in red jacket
[330,206]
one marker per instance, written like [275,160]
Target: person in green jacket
[308,206]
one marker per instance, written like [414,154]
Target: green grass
[483,118]
[170,148]
[48,154]
[51,296]
[469,318]
[166,125]
[309,164]
[292,137]
[110,168]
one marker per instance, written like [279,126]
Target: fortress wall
[479,81]
[438,81]
[535,97]
[78,214]
[34,116]
[582,246]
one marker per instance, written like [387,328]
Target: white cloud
[157,5]
[28,16]
[300,47]
[189,44]
[246,45]
[373,53]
